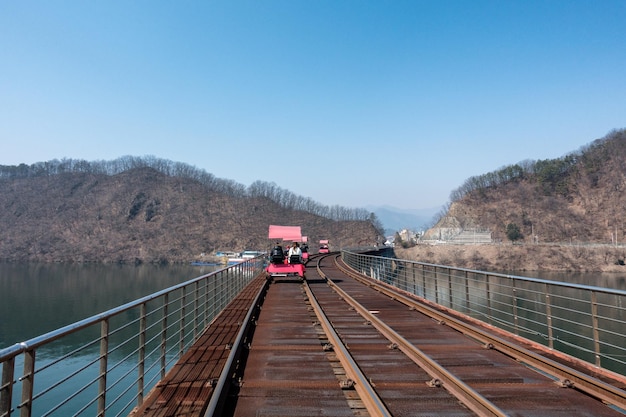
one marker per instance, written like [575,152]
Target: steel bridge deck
[288,369]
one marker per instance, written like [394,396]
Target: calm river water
[38,298]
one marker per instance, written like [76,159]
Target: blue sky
[354,103]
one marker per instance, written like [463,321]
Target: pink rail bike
[279,265]
[324,246]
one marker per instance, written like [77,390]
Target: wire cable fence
[105,364]
[586,322]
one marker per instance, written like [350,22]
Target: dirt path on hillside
[508,257]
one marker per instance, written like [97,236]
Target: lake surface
[38,298]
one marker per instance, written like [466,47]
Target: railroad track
[563,374]
[563,391]
[338,344]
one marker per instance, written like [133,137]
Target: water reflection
[38,298]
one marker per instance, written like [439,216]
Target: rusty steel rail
[568,376]
[292,364]
[223,384]
[585,321]
[466,395]
[374,405]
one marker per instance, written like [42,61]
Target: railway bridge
[360,335]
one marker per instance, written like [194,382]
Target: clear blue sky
[353,103]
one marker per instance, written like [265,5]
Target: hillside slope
[143,215]
[579,198]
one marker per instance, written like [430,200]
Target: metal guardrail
[586,322]
[105,364]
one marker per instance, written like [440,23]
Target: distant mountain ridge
[394,219]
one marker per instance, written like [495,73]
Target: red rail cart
[279,265]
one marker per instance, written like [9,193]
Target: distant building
[449,230]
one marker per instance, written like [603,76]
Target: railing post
[221,290]
[467,292]
[488,296]
[196,310]
[6,389]
[231,284]
[450,288]
[224,287]
[207,304]
[549,318]
[407,275]
[181,329]
[28,382]
[364,263]
[423,280]
[375,267]
[596,333]
[515,316]
[164,335]
[436,286]
[104,356]
[142,354]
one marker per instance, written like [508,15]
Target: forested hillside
[135,210]
[579,198]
